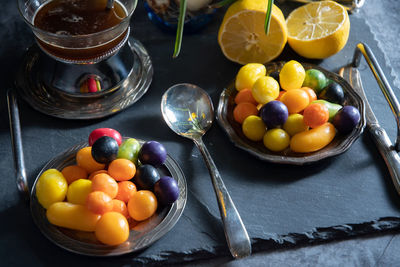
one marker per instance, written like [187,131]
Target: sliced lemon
[318,29]
[241,35]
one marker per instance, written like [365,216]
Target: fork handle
[16,141]
[388,153]
[363,49]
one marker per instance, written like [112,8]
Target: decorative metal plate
[141,235]
[338,145]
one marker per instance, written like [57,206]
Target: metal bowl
[338,145]
[141,235]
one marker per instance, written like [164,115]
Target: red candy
[92,85]
[100,132]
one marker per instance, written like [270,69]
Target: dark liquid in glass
[79,17]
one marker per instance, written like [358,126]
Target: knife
[388,151]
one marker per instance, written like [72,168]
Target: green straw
[179,31]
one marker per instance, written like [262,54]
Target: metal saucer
[142,234]
[51,87]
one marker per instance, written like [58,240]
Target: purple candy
[166,190]
[274,113]
[153,153]
[346,119]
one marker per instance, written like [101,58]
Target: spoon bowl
[188,111]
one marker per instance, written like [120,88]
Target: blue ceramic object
[193,23]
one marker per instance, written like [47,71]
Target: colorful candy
[51,187]
[281,115]
[72,216]
[101,200]
[112,229]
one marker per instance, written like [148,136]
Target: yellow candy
[276,140]
[292,75]
[254,128]
[72,216]
[51,187]
[78,191]
[248,75]
[295,124]
[265,89]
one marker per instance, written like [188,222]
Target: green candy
[332,107]
[315,79]
[129,149]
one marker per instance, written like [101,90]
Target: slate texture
[281,206]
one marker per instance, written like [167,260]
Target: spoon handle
[235,232]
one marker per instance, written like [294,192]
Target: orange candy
[85,160]
[112,229]
[315,115]
[105,183]
[142,205]
[125,190]
[120,206]
[295,100]
[93,174]
[74,172]
[280,95]
[99,202]
[243,110]
[122,169]
[310,92]
[245,95]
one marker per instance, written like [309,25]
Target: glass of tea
[78,31]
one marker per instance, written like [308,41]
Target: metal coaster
[51,88]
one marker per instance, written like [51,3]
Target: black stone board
[281,206]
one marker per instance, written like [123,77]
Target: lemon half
[241,35]
[319,29]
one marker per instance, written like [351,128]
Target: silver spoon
[188,111]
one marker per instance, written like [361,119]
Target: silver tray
[141,235]
[338,145]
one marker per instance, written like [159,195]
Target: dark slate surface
[282,206]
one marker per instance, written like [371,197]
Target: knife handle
[388,153]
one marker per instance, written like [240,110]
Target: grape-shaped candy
[146,176]
[166,190]
[105,149]
[274,113]
[153,153]
[346,119]
[129,149]
[333,93]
